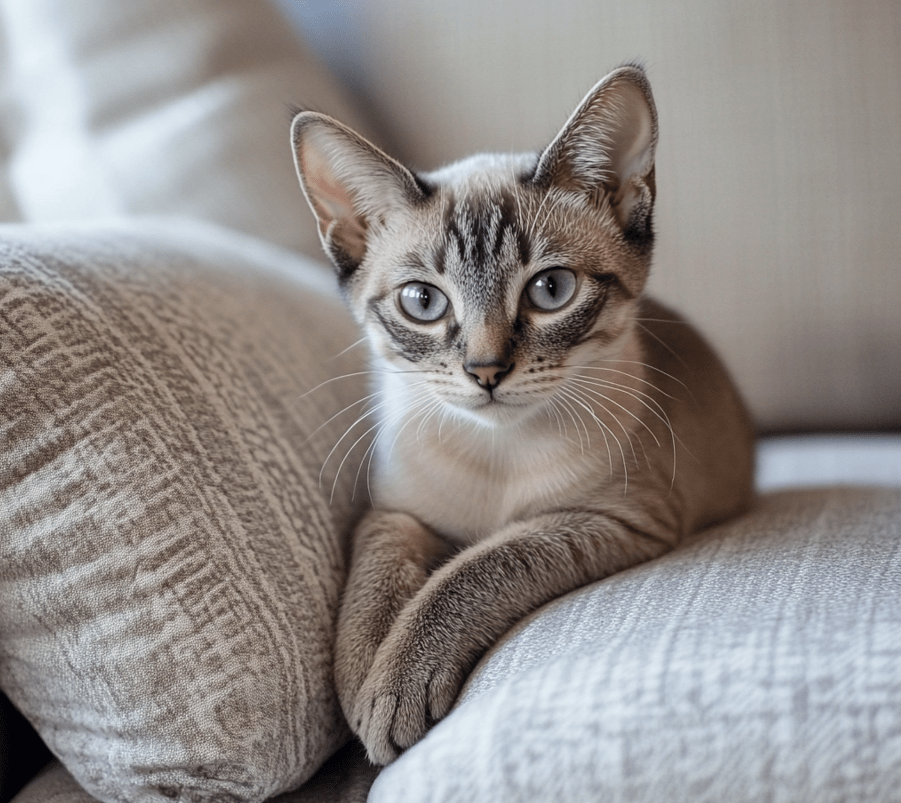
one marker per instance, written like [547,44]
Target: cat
[542,423]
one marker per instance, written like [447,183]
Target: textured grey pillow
[169,562]
[345,778]
[760,662]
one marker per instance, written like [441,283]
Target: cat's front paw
[409,688]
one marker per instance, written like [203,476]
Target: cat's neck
[467,476]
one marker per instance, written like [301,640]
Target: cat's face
[482,285]
[491,287]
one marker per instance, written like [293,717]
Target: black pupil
[425,298]
[551,284]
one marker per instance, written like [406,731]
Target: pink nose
[488,375]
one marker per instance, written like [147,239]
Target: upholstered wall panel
[778,167]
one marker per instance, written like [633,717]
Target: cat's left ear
[349,184]
[606,149]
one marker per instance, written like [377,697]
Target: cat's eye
[552,289]
[422,302]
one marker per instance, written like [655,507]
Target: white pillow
[758,661]
[157,107]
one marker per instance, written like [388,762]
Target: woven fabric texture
[170,565]
[345,778]
[758,662]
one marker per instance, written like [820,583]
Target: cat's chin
[495,414]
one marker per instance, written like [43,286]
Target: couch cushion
[149,106]
[345,778]
[170,562]
[816,460]
[757,662]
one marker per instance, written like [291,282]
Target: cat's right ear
[606,150]
[349,183]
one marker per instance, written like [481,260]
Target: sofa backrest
[778,171]
[778,167]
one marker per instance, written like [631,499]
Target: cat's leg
[470,602]
[392,554]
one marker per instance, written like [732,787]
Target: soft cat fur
[552,440]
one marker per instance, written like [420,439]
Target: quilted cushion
[170,564]
[758,662]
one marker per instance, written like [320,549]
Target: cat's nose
[488,374]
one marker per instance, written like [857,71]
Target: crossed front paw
[407,691]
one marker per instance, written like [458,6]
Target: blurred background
[778,170]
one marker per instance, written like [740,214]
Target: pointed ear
[606,150]
[349,183]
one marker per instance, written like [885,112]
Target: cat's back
[713,429]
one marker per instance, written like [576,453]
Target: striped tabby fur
[535,411]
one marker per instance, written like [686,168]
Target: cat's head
[487,279]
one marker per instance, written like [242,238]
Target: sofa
[177,373]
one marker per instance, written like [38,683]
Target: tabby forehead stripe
[477,229]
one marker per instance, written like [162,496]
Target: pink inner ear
[331,197]
[633,135]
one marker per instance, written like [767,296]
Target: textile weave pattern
[170,563]
[756,662]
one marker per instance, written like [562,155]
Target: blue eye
[422,302]
[552,289]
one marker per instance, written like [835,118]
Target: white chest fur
[467,482]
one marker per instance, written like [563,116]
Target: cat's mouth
[494,409]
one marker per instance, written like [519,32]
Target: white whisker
[659,412]
[334,379]
[347,432]
[435,406]
[592,381]
[570,392]
[537,213]
[410,415]
[662,343]
[632,376]
[576,421]
[389,421]
[635,393]
[444,415]
[367,414]
[600,398]
[561,424]
[351,346]
[347,454]
[339,413]
[663,320]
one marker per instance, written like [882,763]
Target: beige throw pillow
[170,565]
